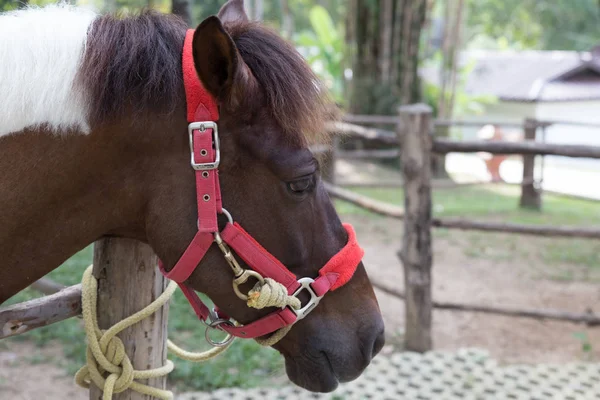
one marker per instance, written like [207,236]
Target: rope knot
[108,366]
[111,360]
[271,293]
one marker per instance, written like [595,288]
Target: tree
[534,24]
[384,37]
[451,44]
[183,8]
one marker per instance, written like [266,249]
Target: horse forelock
[297,99]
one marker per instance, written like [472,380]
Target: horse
[94,143]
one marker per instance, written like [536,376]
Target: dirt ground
[457,277]
[460,278]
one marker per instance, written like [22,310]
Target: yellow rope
[106,352]
[271,293]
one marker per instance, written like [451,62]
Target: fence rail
[32,314]
[416,147]
[587,318]
[393,120]
[525,147]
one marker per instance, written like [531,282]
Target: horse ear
[216,58]
[233,11]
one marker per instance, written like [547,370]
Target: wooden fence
[416,148]
[530,186]
[128,281]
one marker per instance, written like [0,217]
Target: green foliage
[7,5]
[534,24]
[586,344]
[323,48]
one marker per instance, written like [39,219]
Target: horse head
[130,175]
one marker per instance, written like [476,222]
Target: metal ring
[203,152]
[228,215]
[217,326]
[206,197]
[205,174]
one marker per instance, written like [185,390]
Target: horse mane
[133,64]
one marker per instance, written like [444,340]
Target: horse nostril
[378,343]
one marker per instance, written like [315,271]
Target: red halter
[202,114]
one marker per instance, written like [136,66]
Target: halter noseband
[202,114]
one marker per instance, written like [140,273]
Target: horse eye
[302,185]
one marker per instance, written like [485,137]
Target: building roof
[533,76]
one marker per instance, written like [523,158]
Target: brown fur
[131,177]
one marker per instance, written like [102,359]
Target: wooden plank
[476,124]
[587,318]
[571,123]
[414,135]
[365,202]
[371,119]
[23,317]
[548,231]
[368,154]
[47,286]
[379,135]
[529,147]
[530,195]
[128,280]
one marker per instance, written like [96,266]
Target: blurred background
[493,70]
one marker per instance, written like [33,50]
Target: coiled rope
[110,369]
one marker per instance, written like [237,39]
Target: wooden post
[327,161]
[128,280]
[414,134]
[530,195]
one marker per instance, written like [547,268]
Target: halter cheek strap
[202,114]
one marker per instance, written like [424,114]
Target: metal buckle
[305,284]
[202,126]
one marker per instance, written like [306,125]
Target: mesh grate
[468,374]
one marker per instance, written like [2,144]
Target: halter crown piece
[202,115]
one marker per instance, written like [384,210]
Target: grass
[498,202]
[501,203]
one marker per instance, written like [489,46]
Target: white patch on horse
[41,50]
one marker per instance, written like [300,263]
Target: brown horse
[93,143]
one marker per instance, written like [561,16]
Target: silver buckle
[305,284]
[202,126]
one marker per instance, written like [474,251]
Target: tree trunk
[249,8]
[183,8]
[259,10]
[111,6]
[287,19]
[453,16]
[530,195]
[384,37]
